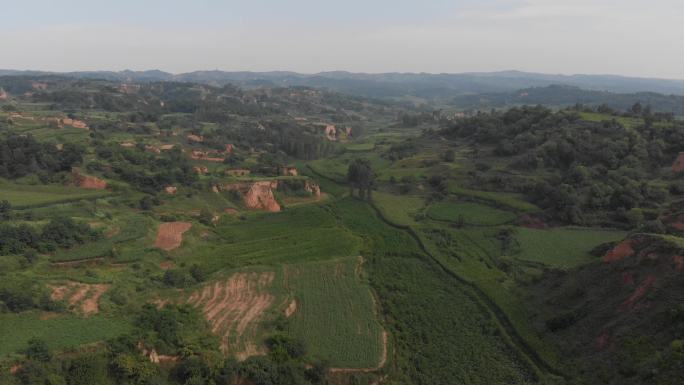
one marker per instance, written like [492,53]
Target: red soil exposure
[200,170]
[638,293]
[678,222]
[623,250]
[531,222]
[170,189]
[234,308]
[603,340]
[170,235]
[3,94]
[627,278]
[679,262]
[88,182]
[678,165]
[260,196]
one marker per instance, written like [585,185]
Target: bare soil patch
[81,297]
[234,308]
[170,235]
[623,250]
[291,308]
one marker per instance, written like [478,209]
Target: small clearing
[170,235]
[235,308]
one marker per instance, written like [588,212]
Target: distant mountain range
[391,85]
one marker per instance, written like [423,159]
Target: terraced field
[236,308]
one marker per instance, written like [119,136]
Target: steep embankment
[621,318]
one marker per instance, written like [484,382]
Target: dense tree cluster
[360,176]
[145,170]
[60,232]
[21,155]
[580,171]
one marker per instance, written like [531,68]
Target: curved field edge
[528,347]
[432,331]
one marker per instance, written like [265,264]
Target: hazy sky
[628,37]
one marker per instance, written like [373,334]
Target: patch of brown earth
[531,222]
[88,182]
[170,235]
[638,293]
[291,308]
[170,189]
[678,165]
[166,265]
[75,123]
[80,296]
[195,138]
[623,250]
[238,172]
[259,195]
[331,132]
[234,308]
[201,170]
[3,94]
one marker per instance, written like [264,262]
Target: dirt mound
[291,308]
[81,297]
[88,182]
[678,165]
[3,94]
[170,189]
[201,170]
[260,196]
[39,86]
[234,308]
[195,138]
[331,132]
[170,235]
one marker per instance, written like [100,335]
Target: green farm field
[562,247]
[336,293]
[59,332]
[471,213]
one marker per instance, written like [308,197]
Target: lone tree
[360,176]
